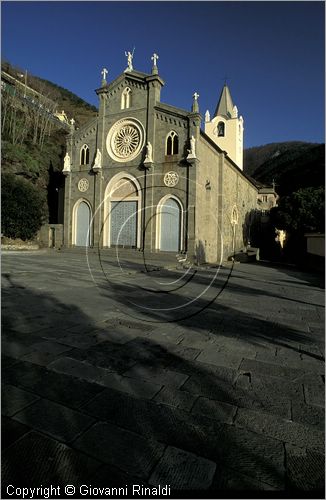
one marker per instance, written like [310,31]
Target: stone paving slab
[220,358]
[15,349]
[107,335]
[227,480]
[112,477]
[7,361]
[11,431]
[269,369]
[305,470]
[53,419]
[135,387]
[150,352]
[40,358]
[37,460]
[313,416]
[252,395]
[49,347]
[259,457]
[79,369]
[72,339]
[157,375]
[107,356]
[111,445]
[168,336]
[223,412]
[284,430]
[294,359]
[315,393]
[183,471]
[173,397]
[58,387]
[14,399]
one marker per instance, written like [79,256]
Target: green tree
[302,211]
[23,207]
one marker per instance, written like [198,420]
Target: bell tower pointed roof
[225,104]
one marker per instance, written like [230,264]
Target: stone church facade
[143,174]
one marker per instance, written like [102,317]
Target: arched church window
[172,143]
[221,129]
[126,98]
[84,155]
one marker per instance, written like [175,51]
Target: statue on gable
[149,153]
[66,164]
[192,150]
[129,56]
[98,161]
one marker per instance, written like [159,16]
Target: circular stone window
[125,139]
[83,185]
[171,179]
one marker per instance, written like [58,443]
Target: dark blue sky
[271,52]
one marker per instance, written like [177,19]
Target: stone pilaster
[67,232]
[98,177]
[155,84]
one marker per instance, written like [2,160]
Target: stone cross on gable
[195,96]
[104,72]
[154,58]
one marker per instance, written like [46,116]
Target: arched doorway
[82,223]
[122,219]
[169,225]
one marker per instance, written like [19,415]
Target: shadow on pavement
[140,411]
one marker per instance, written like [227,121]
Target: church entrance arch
[169,224]
[122,212]
[82,218]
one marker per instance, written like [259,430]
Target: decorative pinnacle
[195,107]
[104,72]
[154,59]
[154,68]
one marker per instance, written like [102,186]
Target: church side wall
[239,209]
[208,242]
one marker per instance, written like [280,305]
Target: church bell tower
[226,127]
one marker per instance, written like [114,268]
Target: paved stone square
[128,369]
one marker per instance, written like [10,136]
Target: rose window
[125,140]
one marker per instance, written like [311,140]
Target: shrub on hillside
[23,207]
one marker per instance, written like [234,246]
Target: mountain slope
[25,155]
[291,165]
